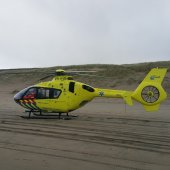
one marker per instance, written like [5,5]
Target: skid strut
[33,111]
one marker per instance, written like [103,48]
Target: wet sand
[106,135]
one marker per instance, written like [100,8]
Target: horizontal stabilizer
[128,99]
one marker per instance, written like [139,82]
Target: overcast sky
[38,33]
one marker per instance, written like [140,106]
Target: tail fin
[150,92]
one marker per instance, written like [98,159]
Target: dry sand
[106,135]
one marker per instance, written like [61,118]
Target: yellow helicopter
[62,94]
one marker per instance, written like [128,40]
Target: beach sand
[103,135]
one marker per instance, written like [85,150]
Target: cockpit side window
[20,94]
[30,94]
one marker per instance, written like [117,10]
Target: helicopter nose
[17,97]
[20,94]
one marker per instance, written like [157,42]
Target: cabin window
[88,88]
[71,87]
[43,93]
[56,93]
[48,93]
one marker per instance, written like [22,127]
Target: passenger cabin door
[71,95]
[48,97]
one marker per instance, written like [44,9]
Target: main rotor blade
[46,77]
[90,75]
[77,71]
[14,71]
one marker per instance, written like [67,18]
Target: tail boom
[126,95]
[149,93]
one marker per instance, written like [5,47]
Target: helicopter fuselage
[61,95]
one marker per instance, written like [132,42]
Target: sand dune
[105,135]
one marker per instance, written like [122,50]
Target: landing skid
[48,115]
